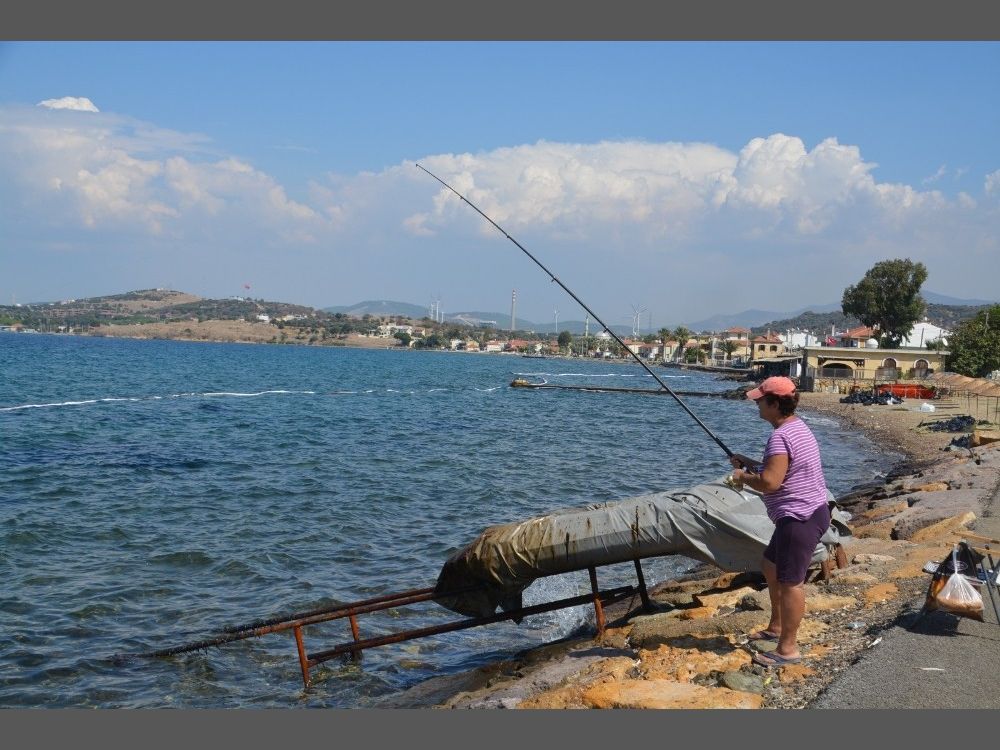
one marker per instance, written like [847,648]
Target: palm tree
[664,334]
[729,346]
[682,335]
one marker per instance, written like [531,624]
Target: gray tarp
[710,522]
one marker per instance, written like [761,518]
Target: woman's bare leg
[793,607]
[774,592]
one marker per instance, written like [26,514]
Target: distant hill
[476,318]
[392,308]
[941,309]
[752,318]
[151,306]
[381,307]
[944,299]
[949,316]
[817,323]
[945,316]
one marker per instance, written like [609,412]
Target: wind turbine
[636,312]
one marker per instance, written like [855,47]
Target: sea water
[152,492]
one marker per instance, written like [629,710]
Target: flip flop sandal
[774,659]
[762,635]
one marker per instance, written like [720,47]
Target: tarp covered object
[709,522]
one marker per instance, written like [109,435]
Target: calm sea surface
[152,492]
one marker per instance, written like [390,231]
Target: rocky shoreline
[692,651]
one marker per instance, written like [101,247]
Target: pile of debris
[871,398]
[958,423]
[738,393]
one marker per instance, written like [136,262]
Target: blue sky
[688,178]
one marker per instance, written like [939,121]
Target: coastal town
[825,358]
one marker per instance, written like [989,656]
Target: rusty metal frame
[355,646]
[298,621]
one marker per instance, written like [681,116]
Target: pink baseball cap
[777,386]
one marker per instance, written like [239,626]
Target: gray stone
[932,507]
[871,558]
[674,598]
[655,630]
[759,601]
[745,682]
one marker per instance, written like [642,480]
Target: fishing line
[580,302]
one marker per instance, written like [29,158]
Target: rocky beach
[692,651]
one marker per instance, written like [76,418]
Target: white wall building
[386,331]
[798,339]
[923,333]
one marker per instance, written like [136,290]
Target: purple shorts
[793,543]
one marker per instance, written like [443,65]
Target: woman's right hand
[739,461]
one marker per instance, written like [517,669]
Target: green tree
[975,345]
[433,341]
[565,339]
[729,346]
[404,338]
[888,298]
[664,334]
[695,355]
[682,335]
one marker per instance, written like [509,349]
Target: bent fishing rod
[589,311]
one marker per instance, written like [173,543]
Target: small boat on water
[907,390]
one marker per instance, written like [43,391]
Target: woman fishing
[790,479]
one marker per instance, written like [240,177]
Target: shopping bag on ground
[955,594]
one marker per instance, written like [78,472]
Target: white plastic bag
[926,407]
[960,597]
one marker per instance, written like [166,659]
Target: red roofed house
[857,336]
[770,345]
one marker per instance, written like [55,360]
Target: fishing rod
[591,312]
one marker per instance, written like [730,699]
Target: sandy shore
[692,652]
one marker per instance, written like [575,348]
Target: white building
[798,339]
[923,333]
[385,331]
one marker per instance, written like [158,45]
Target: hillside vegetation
[148,306]
[945,316]
[164,313]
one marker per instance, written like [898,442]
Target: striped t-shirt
[804,489]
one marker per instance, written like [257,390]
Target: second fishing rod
[589,311]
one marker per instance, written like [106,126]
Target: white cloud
[992,184]
[569,186]
[679,221]
[941,172]
[114,172]
[78,103]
